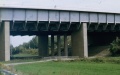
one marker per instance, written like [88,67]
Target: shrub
[30,51]
[115,47]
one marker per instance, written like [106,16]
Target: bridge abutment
[5,41]
[43,45]
[100,41]
[79,41]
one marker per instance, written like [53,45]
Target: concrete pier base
[79,42]
[43,45]
[5,41]
[65,45]
[52,45]
[58,45]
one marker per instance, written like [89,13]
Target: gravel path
[12,64]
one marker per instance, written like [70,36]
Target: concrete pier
[5,41]
[58,45]
[43,45]
[65,45]
[79,41]
[52,45]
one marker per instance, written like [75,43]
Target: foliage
[30,51]
[31,47]
[115,60]
[115,47]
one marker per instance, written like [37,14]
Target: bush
[115,47]
[30,51]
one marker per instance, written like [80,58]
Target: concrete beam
[0,23]
[88,26]
[113,27]
[65,45]
[58,45]
[5,41]
[79,41]
[105,26]
[43,45]
[52,45]
[96,26]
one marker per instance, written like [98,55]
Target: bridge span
[87,22]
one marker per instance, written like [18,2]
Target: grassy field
[70,68]
[23,58]
[23,55]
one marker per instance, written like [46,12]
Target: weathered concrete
[52,45]
[58,45]
[5,41]
[43,45]
[79,41]
[65,45]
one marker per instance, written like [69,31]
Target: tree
[115,47]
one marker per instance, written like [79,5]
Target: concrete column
[58,45]
[65,45]
[5,41]
[43,45]
[52,45]
[79,42]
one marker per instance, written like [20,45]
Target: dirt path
[12,64]
[44,60]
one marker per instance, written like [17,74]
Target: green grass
[23,55]
[23,58]
[70,68]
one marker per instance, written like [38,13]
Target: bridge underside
[84,28]
[46,28]
[43,28]
[82,36]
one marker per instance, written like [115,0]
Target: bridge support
[58,45]
[79,42]
[65,45]
[5,41]
[52,45]
[43,45]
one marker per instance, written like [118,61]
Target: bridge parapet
[57,16]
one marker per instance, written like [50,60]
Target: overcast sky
[17,40]
[111,6]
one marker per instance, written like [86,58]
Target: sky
[17,40]
[111,6]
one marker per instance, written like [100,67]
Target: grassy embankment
[95,66]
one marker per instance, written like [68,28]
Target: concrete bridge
[86,21]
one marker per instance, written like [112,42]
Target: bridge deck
[54,15]
[54,20]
